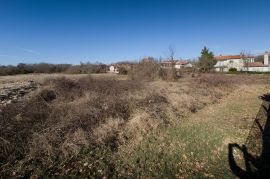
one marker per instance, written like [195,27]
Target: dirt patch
[14,92]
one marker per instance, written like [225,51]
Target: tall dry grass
[74,126]
[149,69]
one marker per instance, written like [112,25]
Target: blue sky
[56,31]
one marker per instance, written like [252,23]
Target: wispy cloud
[29,51]
[9,56]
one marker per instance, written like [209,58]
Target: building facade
[178,64]
[241,63]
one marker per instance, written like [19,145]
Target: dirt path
[198,147]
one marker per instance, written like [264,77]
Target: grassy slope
[198,146]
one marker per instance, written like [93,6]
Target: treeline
[87,68]
[23,68]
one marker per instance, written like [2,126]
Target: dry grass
[198,146]
[40,78]
[73,121]
[149,69]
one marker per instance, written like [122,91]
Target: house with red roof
[241,63]
[178,64]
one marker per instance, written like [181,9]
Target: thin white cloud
[9,56]
[29,51]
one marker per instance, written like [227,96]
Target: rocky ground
[14,92]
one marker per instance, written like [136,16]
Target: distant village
[207,62]
[224,63]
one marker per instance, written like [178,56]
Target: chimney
[266,58]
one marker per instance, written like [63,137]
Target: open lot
[81,125]
[198,146]
[39,78]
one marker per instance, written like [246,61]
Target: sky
[108,31]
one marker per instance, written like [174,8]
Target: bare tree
[171,55]
[171,75]
[246,60]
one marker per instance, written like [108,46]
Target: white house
[182,64]
[259,66]
[178,64]
[241,63]
[113,69]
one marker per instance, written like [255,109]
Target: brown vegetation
[83,68]
[68,126]
[150,69]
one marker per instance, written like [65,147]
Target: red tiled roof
[230,57]
[181,62]
[256,64]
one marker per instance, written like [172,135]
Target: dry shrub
[66,115]
[108,133]
[74,141]
[149,69]
[48,95]
[169,74]
[214,80]
[146,69]
[90,118]
[18,123]
[87,68]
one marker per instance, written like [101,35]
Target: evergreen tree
[206,61]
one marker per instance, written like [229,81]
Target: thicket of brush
[83,68]
[64,117]
[22,68]
[150,69]
[74,127]
[87,68]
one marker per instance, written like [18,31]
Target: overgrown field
[100,126]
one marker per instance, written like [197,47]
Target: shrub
[122,70]
[232,70]
[87,68]
[65,109]
[150,69]
[83,68]
[147,69]
[22,68]
[67,123]
[169,74]
[214,80]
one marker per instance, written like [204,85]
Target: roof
[231,57]
[181,62]
[177,62]
[256,64]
